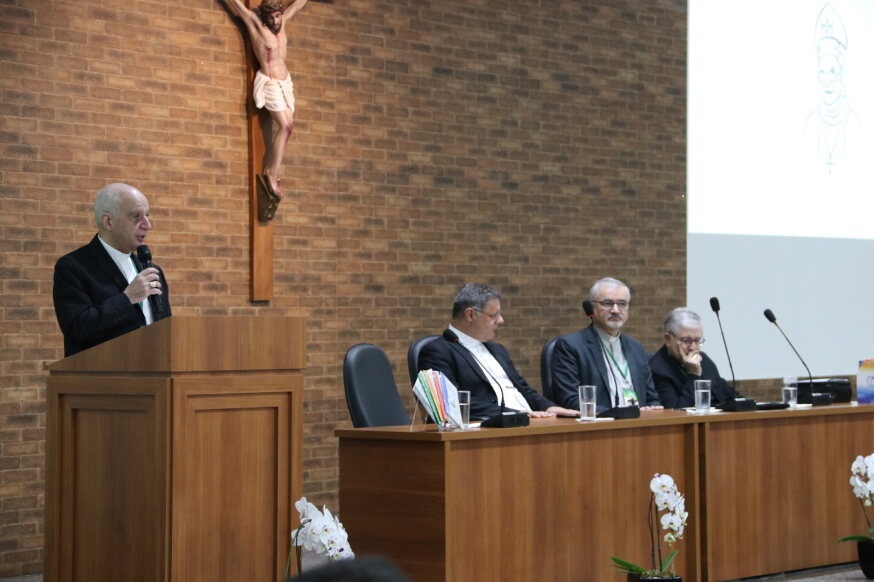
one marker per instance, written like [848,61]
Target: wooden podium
[174,453]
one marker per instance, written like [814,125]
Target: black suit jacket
[578,359]
[460,368]
[89,299]
[676,388]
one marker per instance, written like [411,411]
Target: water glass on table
[790,396]
[464,405]
[702,395]
[588,402]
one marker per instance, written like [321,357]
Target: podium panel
[233,462]
[181,464]
[111,480]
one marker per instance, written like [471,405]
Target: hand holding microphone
[146,283]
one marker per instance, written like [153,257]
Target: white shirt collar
[122,260]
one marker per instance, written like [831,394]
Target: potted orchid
[666,518]
[862,482]
[319,532]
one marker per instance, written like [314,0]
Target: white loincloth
[276,94]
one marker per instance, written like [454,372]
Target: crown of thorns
[268,6]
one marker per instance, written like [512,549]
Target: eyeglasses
[492,316]
[608,304]
[688,341]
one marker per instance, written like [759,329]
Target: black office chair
[413,355]
[371,393]
[546,368]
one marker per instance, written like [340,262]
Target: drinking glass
[588,401]
[464,405]
[702,395]
[790,396]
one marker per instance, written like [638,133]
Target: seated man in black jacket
[680,361]
[469,358]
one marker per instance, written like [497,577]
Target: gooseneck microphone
[144,255]
[737,403]
[815,399]
[714,305]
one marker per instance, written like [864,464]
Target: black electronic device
[620,412]
[771,405]
[738,405]
[507,419]
[838,388]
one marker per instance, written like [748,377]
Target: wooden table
[766,492]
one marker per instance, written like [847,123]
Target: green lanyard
[627,389]
[613,359]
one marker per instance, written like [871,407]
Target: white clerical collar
[122,260]
[471,343]
[606,337]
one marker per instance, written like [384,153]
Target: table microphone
[736,404]
[818,399]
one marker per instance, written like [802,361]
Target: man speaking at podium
[469,358]
[102,290]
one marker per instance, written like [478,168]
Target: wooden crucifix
[271,90]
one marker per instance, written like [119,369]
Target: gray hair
[474,295]
[681,317]
[108,200]
[607,282]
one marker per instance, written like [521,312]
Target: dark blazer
[676,388]
[89,298]
[578,359]
[447,355]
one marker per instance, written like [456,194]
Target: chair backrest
[546,368]
[413,355]
[371,392]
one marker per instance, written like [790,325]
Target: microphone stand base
[739,405]
[507,419]
[821,398]
[620,412]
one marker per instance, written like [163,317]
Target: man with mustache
[273,87]
[600,355]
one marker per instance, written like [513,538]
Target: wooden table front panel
[777,489]
[534,506]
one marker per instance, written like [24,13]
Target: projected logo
[833,124]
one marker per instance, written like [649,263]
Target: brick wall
[535,146]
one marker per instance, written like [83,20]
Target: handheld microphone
[504,419]
[588,308]
[144,255]
[816,399]
[736,404]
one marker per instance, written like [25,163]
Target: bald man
[101,290]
